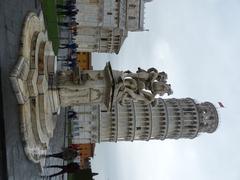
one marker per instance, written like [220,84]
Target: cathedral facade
[104,24]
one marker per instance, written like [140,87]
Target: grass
[51,21]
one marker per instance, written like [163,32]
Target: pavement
[3,160]
[13,162]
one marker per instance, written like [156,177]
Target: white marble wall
[85,127]
[133,12]
[100,21]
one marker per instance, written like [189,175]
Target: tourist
[66,7]
[68,24]
[73,51]
[72,114]
[68,154]
[71,2]
[71,64]
[72,168]
[73,18]
[69,168]
[74,146]
[69,57]
[74,33]
[69,46]
[68,12]
[73,28]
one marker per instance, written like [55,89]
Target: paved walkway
[17,166]
[56,144]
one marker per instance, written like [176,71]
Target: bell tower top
[208,117]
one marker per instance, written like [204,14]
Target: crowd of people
[68,154]
[68,27]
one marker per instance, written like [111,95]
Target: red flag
[221,105]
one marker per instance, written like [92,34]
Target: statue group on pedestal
[142,86]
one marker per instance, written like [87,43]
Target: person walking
[71,24]
[69,46]
[69,168]
[68,12]
[70,1]
[68,154]
[72,64]
[72,168]
[72,114]
[74,33]
[66,7]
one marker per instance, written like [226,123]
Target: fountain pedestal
[32,83]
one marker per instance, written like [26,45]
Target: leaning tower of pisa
[168,119]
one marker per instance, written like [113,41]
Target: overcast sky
[197,43]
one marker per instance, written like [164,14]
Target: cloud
[197,44]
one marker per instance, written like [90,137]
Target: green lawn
[51,21]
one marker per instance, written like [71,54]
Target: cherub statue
[162,76]
[143,77]
[143,96]
[161,88]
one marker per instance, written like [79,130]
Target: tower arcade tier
[168,119]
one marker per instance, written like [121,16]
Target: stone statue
[161,88]
[162,76]
[91,75]
[130,90]
[109,86]
[142,75]
[142,86]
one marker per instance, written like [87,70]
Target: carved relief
[96,95]
[70,97]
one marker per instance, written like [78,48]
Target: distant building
[85,128]
[85,163]
[86,151]
[168,119]
[84,60]
[104,24]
